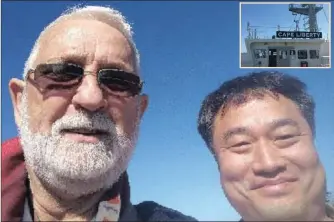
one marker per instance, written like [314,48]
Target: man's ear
[143,103]
[16,87]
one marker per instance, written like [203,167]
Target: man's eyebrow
[80,60]
[283,122]
[114,65]
[273,125]
[234,131]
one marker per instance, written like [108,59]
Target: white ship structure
[308,48]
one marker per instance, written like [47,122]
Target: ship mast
[310,12]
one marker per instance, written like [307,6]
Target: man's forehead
[265,108]
[249,101]
[76,29]
[73,40]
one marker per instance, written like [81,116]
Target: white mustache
[84,120]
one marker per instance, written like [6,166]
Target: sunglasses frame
[137,84]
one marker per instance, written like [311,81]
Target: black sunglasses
[66,76]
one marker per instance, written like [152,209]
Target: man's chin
[77,186]
[280,210]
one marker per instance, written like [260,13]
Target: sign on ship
[298,35]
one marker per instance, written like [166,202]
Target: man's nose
[89,95]
[267,160]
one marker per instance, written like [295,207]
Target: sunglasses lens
[59,72]
[65,76]
[119,82]
[61,76]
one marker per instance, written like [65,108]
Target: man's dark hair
[254,85]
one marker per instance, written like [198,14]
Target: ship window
[302,54]
[260,53]
[314,54]
[271,53]
[283,54]
[292,54]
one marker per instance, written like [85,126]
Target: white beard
[74,169]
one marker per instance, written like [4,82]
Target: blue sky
[187,50]
[271,15]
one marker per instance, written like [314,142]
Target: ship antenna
[249,30]
[309,11]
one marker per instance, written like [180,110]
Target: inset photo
[285,35]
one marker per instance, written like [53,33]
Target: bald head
[77,41]
[106,15]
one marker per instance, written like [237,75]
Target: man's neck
[50,207]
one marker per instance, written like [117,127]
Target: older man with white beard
[78,109]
